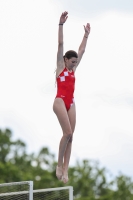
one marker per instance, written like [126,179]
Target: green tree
[5,144]
[88,179]
[17,165]
[124,188]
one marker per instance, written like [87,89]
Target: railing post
[70,193]
[30,190]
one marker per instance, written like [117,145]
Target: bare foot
[65,177]
[59,172]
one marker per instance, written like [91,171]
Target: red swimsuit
[65,87]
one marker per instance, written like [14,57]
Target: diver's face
[70,63]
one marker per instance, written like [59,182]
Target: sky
[103,93]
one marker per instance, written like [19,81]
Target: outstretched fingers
[64,17]
[65,13]
[87,28]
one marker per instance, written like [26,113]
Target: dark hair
[69,54]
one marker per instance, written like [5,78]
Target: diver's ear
[65,59]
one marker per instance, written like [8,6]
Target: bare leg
[62,115]
[72,119]
[67,156]
[62,148]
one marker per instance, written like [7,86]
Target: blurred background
[103,93]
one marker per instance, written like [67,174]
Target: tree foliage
[88,179]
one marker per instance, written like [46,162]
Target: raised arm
[60,60]
[82,46]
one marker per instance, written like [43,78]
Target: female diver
[64,106]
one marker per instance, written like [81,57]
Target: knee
[71,139]
[68,135]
